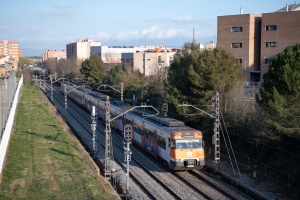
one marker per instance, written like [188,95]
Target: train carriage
[177,146]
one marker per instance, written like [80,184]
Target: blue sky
[41,25]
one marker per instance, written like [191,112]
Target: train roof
[97,94]
[82,89]
[164,120]
[165,123]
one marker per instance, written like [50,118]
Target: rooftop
[291,7]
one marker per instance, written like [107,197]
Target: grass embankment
[44,160]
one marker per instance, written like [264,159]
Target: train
[174,144]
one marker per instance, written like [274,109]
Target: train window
[161,142]
[188,144]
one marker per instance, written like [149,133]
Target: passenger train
[177,146]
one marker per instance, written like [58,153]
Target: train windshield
[188,144]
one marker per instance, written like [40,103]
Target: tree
[26,61]
[195,76]
[115,75]
[93,68]
[280,92]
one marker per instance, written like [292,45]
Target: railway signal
[94,126]
[128,132]
[165,109]
[127,152]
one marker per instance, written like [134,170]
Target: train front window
[188,144]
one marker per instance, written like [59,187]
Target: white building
[80,49]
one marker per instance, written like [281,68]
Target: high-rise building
[80,49]
[9,48]
[256,39]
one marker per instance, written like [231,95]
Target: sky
[49,25]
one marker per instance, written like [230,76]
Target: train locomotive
[177,146]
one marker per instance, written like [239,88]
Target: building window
[270,44]
[268,61]
[236,45]
[237,29]
[239,61]
[271,28]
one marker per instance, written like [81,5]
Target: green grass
[44,161]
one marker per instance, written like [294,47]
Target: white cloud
[48,12]
[181,19]
[4,27]
[152,33]
[101,36]
[38,28]
[53,12]
[23,39]
[184,19]
[62,5]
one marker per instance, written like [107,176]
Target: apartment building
[113,54]
[149,63]
[80,49]
[55,54]
[9,48]
[144,58]
[278,30]
[241,35]
[255,39]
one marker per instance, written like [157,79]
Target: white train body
[177,146]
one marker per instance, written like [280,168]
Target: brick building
[256,39]
[55,54]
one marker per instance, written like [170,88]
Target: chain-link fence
[8,86]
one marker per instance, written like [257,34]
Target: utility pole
[127,152]
[94,125]
[216,136]
[65,96]
[107,172]
[111,88]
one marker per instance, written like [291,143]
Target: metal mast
[94,126]
[107,172]
[216,137]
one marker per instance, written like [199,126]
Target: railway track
[148,178]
